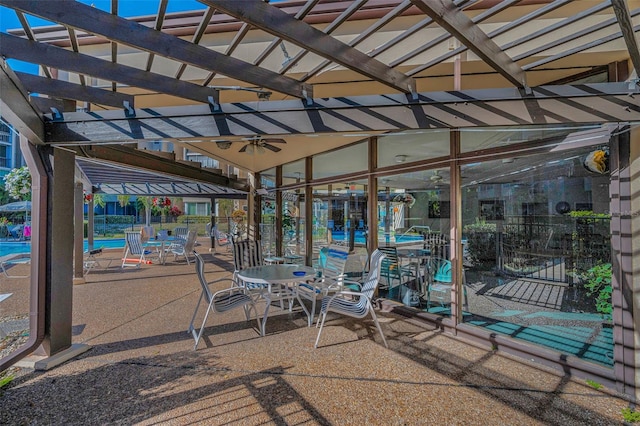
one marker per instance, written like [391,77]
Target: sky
[126,8]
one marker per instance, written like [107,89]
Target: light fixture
[259,149]
[250,149]
[400,158]
[223,144]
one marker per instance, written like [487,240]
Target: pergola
[226,80]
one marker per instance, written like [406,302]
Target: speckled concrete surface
[142,368]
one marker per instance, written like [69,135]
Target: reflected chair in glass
[355,304]
[393,272]
[220,301]
[440,280]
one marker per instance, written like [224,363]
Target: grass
[630,416]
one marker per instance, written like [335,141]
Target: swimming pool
[15,247]
[361,239]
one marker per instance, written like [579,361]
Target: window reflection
[536,235]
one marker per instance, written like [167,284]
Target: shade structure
[18,206]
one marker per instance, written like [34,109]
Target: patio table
[277,279]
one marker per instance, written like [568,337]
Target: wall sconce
[400,158]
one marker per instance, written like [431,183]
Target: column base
[43,363]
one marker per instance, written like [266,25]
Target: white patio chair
[357,304]
[220,301]
[333,279]
[180,233]
[184,248]
[246,254]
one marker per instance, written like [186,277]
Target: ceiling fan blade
[271,147]
[273,140]
[244,148]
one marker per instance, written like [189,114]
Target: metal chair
[332,279]
[356,304]
[184,248]
[220,301]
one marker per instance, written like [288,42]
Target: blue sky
[126,8]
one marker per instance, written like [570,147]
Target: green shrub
[597,281]
[481,241]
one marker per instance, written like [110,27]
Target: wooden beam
[587,103]
[65,90]
[626,26]
[162,10]
[449,17]
[16,108]
[131,33]
[34,52]
[45,104]
[277,22]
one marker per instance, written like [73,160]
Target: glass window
[536,239]
[351,159]
[268,178]
[293,173]
[340,217]
[412,145]
[414,214]
[474,139]
[293,226]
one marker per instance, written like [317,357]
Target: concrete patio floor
[142,368]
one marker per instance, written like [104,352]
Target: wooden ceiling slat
[162,10]
[31,36]
[380,23]
[197,35]
[65,90]
[133,34]
[342,18]
[452,19]
[30,51]
[308,6]
[273,20]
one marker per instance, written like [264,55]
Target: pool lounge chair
[21,259]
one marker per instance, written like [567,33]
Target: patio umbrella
[18,206]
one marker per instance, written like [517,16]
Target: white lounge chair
[135,253]
[7,264]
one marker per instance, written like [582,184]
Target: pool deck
[142,369]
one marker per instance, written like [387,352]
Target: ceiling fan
[436,177]
[258,144]
[253,144]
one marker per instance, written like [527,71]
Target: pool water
[15,247]
[361,239]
